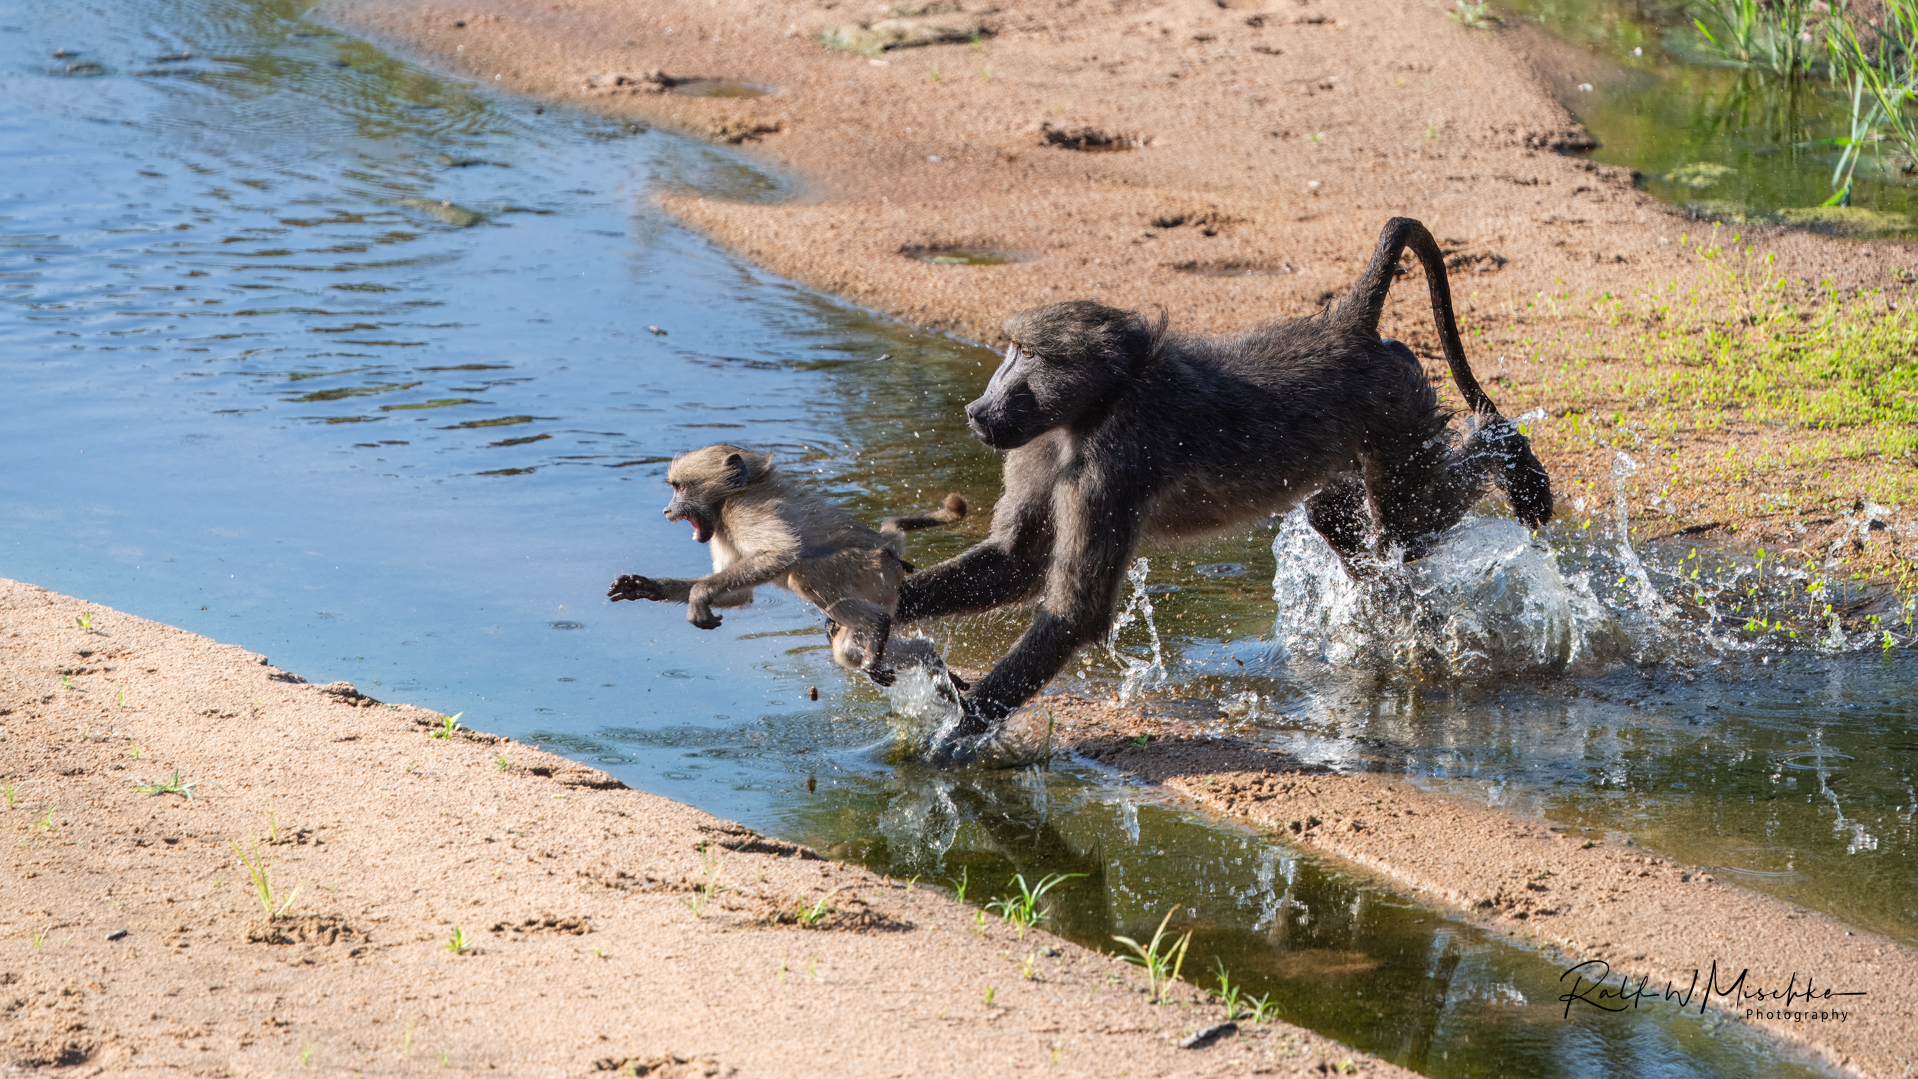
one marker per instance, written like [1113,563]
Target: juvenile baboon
[766,529]
[1115,430]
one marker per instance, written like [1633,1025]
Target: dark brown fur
[1115,431]
[765,529]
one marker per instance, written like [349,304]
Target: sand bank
[1233,162]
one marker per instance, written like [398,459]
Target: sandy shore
[133,940]
[605,927]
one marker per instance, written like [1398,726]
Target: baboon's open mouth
[702,528]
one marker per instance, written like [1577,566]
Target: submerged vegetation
[1870,52]
[1881,60]
[1775,35]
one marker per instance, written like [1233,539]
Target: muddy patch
[656,81]
[664,1066]
[733,130]
[571,925]
[908,27]
[1463,256]
[831,913]
[1089,139]
[646,82]
[318,930]
[962,256]
[721,88]
[1232,268]
[1209,222]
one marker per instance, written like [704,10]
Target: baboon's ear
[748,467]
[1139,342]
[1128,357]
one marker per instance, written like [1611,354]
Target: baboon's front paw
[633,586]
[881,676]
[962,743]
[977,717]
[705,620]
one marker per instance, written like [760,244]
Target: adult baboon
[766,529]
[1116,431]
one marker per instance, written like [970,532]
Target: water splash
[925,700]
[1644,595]
[1489,601]
[1136,673]
[926,713]
[1492,601]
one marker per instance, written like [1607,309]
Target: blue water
[255,396]
[254,393]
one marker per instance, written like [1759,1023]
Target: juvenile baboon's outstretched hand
[633,586]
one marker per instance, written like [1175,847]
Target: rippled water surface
[376,372]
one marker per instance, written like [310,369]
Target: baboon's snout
[975,421]
[999,423]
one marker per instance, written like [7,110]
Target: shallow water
[1720,139]
[258,393]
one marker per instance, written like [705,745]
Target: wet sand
[133,941]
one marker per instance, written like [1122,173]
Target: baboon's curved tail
[1361,307]
[1518,471]
[952,510]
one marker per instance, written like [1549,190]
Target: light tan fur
[766,529]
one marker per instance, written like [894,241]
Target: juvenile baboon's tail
[953,509]
[1518,471]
